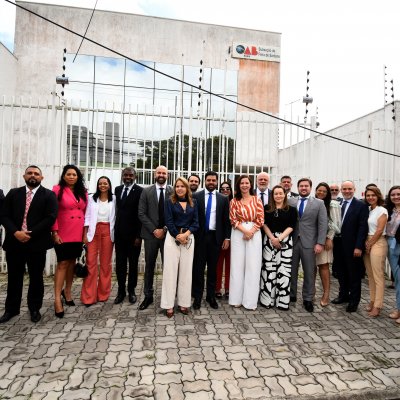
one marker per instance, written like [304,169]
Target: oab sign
[256,52]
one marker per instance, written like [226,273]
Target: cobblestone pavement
[117,352]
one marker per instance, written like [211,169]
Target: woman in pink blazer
[68,232]
[99,239]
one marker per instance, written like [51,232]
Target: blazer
[223,225]
[355,226]
[71,216]
[92,210]
[127,222]
[148,210]
[41,216]
[312,227]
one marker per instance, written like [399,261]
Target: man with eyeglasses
[335,192]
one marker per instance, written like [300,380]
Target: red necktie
[27,205]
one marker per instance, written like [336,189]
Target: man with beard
[151,215]
[28,214]
[308,240]
[194,182]
[213,235]
[262,190]
[127,234]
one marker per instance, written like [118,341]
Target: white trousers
[246,256]
[178,261]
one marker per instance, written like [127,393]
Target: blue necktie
[301,208]
[208,212]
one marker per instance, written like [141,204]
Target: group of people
[251,239]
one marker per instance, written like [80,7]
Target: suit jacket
[91,214]
[223,226]
[70,217]
[313,225]
[148,210]
[41,216]
[127,222]
[355,226]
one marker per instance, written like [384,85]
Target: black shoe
[67,302]
[340,300]
[119,299]
[59,314]
[35,316]
[196,304]
[351,307]
[132,298]
[7,316]
[308,305]
[293,299]
[145,303]
[212,302]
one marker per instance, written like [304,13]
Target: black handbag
[81,269]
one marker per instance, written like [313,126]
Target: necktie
[262,194]
[161,221]
[301,208]
[27,205]
[208,212]
[125,193]
[344,205]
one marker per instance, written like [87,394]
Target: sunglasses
[334,190]
[225,189]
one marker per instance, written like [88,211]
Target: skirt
[68,251]
[325,257]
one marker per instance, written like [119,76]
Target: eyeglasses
[225,189]
[334,190]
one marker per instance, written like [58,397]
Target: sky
[344,44]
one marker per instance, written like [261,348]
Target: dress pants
[126,253]
[307,258]
[375,265]
[177,268]
[206,252]
[97,285]
[16,261]
[223,259]
[151,248]
[394,261]
[245,268]
[350,271]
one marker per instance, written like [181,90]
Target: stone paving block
[386,380]
[339,384]
[220,354]
[90,378]
[202,395]
[49,387]
[78,394]
[311,389]
[238,369]
[108,381]
[256,393]
[200,370]
[111,359]
[302,380]
[175,391]
[329,386]
[75,379]
[251,369]
[251,382]
[163,369]
[187,371]
[219,390]
[393,372]
[170,377]
[196,386]
[288,387]
[319,369]
[218,365]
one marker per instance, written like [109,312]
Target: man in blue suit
[349,247]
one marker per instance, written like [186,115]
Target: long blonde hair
[188,196]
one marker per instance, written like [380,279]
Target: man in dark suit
[262,190]
[213,235]
[349,247]
[28,214]
[151,215]
[286,183]
[127,234]
[308,240]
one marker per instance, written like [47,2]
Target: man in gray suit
[309,240]
[151,215]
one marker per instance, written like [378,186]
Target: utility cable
[197,88]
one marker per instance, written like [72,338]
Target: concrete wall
[8,69]
[326,159]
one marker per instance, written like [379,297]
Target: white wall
[8,70]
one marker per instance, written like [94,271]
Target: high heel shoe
[59,314]
[374,312]
[67,302]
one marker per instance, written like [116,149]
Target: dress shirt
[347,207]
[266,193]
[213,215]
[305,202]
[32,190]
[129,190]
[159,191]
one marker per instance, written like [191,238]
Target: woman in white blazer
[99,239]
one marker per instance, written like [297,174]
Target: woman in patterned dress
[280,220]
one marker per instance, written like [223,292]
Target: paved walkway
[117,352]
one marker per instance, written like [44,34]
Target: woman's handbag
[81,269]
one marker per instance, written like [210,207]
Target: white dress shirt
[213,215]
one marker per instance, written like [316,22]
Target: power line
[196,87]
